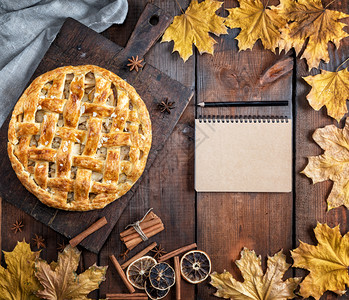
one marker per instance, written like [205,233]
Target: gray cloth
[27,28]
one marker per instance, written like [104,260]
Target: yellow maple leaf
[256,286]
[60,280]
[18,280]
[330,89]
[256,22]
[328,262]
[193,27]
[333,164]
[309,19]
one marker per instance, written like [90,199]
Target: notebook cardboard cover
[243,157]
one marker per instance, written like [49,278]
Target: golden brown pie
[79,137]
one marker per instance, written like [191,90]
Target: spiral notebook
[243,154]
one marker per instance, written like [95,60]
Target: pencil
[244,103]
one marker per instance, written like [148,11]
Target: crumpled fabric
[28,27]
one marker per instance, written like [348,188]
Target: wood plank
[183,136]
[227,222]
[84,46]
[0,229]
[169,185]
[311,205]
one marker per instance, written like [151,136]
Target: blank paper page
[243,157]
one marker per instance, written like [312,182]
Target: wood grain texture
[0,229]
[220,223]
[77,44]
[310,200]
[227,222]
[169,185]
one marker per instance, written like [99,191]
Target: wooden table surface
[220,223]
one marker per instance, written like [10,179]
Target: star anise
[39,241]
[135,63]
[166,106]
[124,255]
[17,226]
[158,251]
[61,247]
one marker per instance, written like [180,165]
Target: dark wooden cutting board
[76,44]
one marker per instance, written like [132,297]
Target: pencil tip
[202,104]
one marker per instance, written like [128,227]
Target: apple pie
[79,137]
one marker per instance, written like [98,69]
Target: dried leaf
[330,89]
[18,280]
[193,27]
[333,164]
[327,262]
[60,280]
[256,22]
[276,71]
[256,286]
[309,19]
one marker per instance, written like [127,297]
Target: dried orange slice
[154,293]
[138,271]
[195,266]
[162,276]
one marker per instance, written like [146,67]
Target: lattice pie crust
[79,137]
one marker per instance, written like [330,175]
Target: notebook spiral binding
[242,119]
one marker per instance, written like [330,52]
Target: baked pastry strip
[74,164]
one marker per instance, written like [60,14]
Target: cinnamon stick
[178,277]
[150,217]
[135,296]
[133,243]
[146,231]
[177,252]
[122,274]
[144,226]
[139,255]
[94,227]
